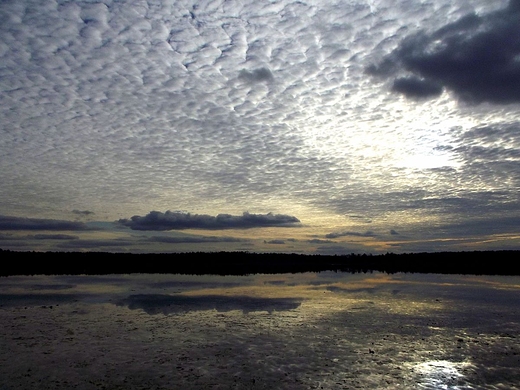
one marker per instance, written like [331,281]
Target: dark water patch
[177,304]
[189,284]
[275,282]
[48,300]
[337,289]
[55,287]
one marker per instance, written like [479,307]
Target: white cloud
[218,107]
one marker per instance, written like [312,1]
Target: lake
[279,331]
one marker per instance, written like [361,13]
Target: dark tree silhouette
[243,263]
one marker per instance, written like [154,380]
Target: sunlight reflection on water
[440,374]
[296,331]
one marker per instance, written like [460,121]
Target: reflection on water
[296,331]
[440,374]
[177,304]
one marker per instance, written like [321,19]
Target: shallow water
[295,331]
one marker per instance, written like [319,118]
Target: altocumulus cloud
[477,57]
[230,104]
[257,75]
[172,220]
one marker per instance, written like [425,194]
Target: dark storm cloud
[477,57]
[178,304]
[171,220]
[18,223]
[353,234]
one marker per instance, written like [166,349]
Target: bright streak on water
[441,374]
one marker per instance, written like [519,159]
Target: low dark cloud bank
[275,242]
[318,241]
[353,234]
[94,244]
[172,220]
[477,57]
[53,237]
[193,240]
[17,223]
[83,213]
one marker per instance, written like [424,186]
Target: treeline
[244,263]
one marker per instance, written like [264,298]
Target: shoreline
[247,263]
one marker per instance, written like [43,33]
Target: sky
[320,126]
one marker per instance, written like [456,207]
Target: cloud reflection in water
[176,304]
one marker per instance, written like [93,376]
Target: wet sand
[301,331]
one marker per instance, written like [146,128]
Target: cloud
[82,212]
[319,241]
[461,226]
[477,57]
[19,223]
[193,239]
[353,234]
[265,104]
[336,250]
[53,237]
[156,220]
[492,153]
[95,243]
[256,76]
[414,87]
[275,242]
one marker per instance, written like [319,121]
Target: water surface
[294,331]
